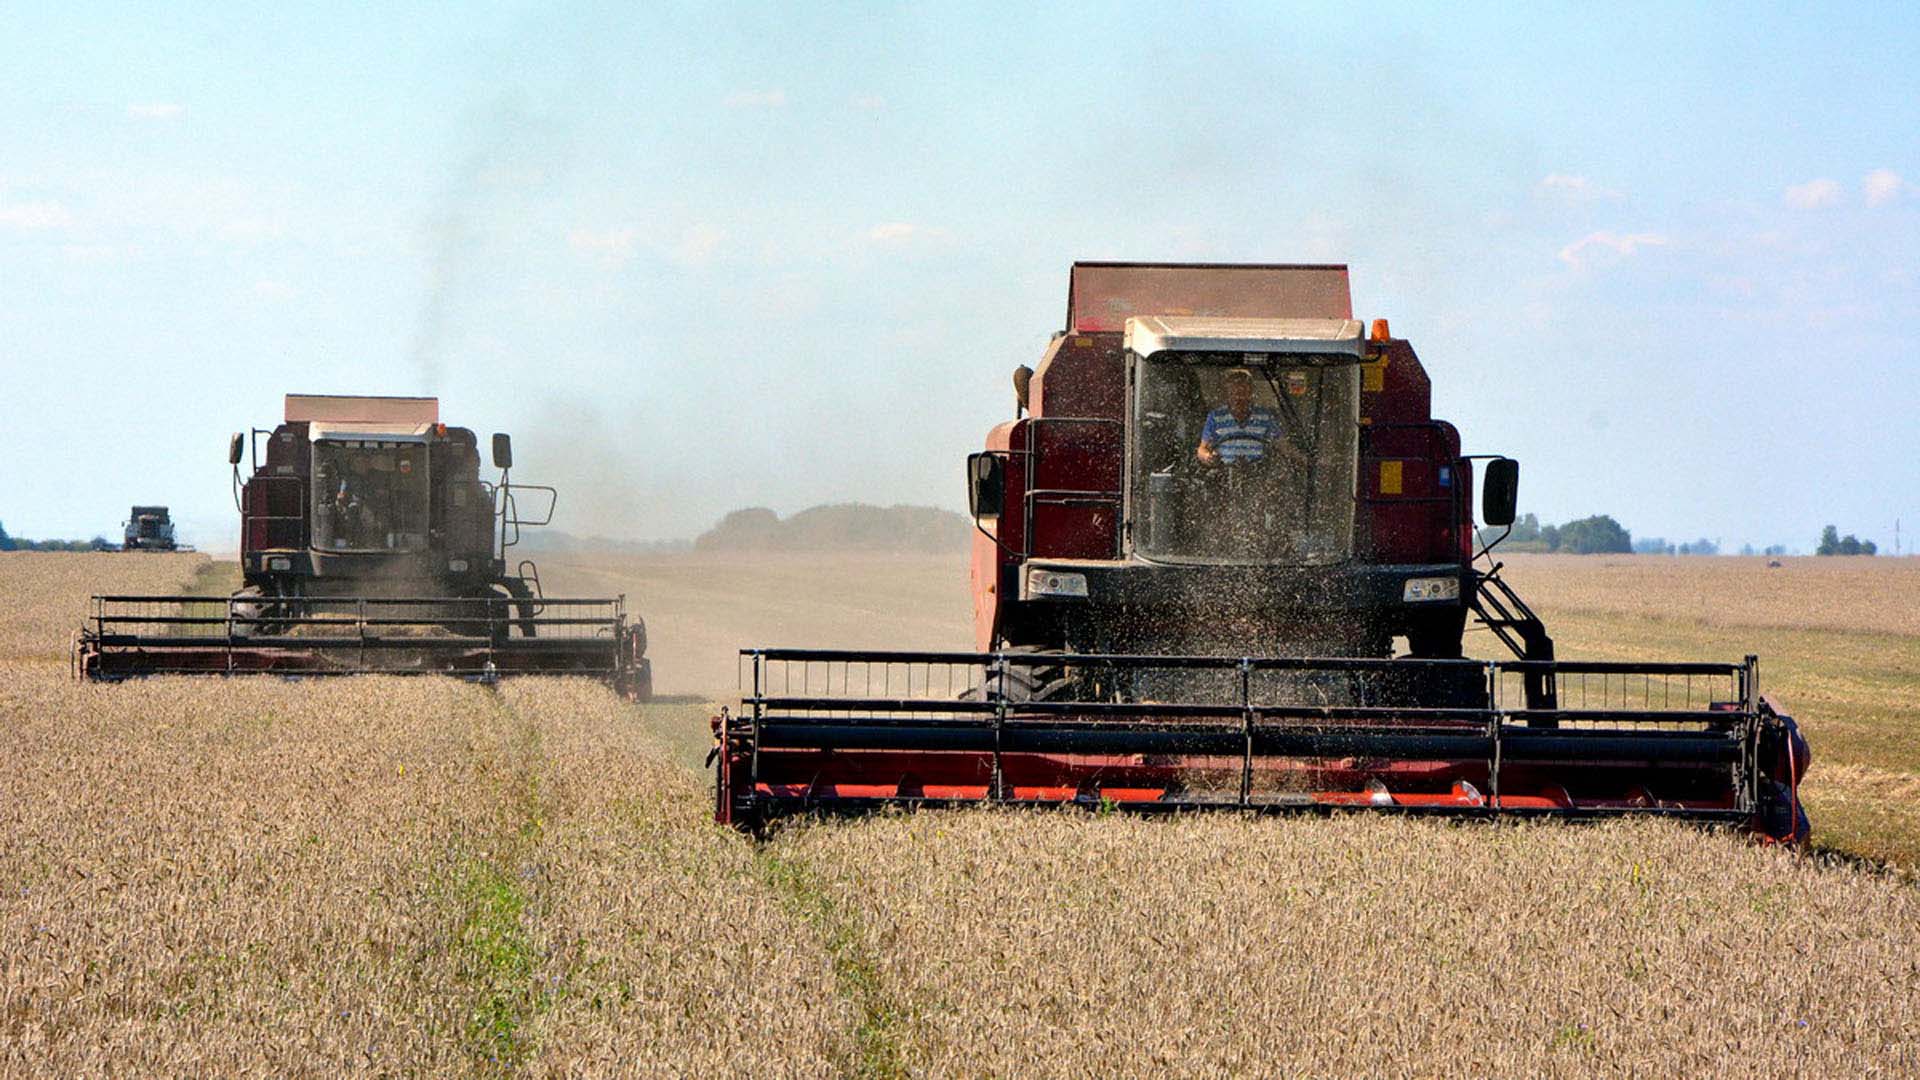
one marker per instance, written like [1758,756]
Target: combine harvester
[150,528]
[370,544]
[1226,558]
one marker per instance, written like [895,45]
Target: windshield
[369,495]
[1244,462]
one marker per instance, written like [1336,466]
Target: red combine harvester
[1226,558]
[370,544]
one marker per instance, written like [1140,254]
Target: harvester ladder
[1502,611]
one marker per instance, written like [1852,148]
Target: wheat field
[414,876]
[46,592]
[1036,944]
[371,876]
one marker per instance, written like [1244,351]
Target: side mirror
[502,450]
[1022,380]
[986,484]
[1500,495]
[235,446]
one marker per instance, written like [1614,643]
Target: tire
[478,621]
[256,603]
[1026,682]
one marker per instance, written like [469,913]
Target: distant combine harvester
[149,528]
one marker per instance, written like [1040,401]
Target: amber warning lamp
[1380,330]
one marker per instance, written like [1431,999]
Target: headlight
[1055,583]
[1423,589]
[279,562]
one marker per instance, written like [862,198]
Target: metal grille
[1687,719]
[479,636]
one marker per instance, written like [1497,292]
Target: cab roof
[1151,334]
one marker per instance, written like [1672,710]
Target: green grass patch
[497,962]
[490,890]
[879,1040]
[214,578]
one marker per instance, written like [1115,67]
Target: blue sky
[698,258]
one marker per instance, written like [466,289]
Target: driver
[1240,432]
[348,514]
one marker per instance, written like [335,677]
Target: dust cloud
[509,150]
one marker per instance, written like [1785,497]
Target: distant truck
[148,528]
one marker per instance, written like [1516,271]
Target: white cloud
[1573,188]
[156,110]
[251,228]
[757,99]
[34,215]
[612,246]
[1814,194]
[512,177]
[1883,186]
[1597,248]
[901,232]
[891,231]
[617,245]
[97,254]
[697,245]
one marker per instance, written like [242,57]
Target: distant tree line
[12,543]
[1656,545]
[1832,543]
[840,527]
[1601,534]
[1596,535]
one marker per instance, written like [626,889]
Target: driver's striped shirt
[1240,440]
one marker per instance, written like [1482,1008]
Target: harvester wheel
[1437,638]
[1025,682]
[260,608]
[478,620]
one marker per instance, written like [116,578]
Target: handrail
[1030,496]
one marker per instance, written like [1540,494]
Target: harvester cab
[370,542]
[1244,438]
[1226,557]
